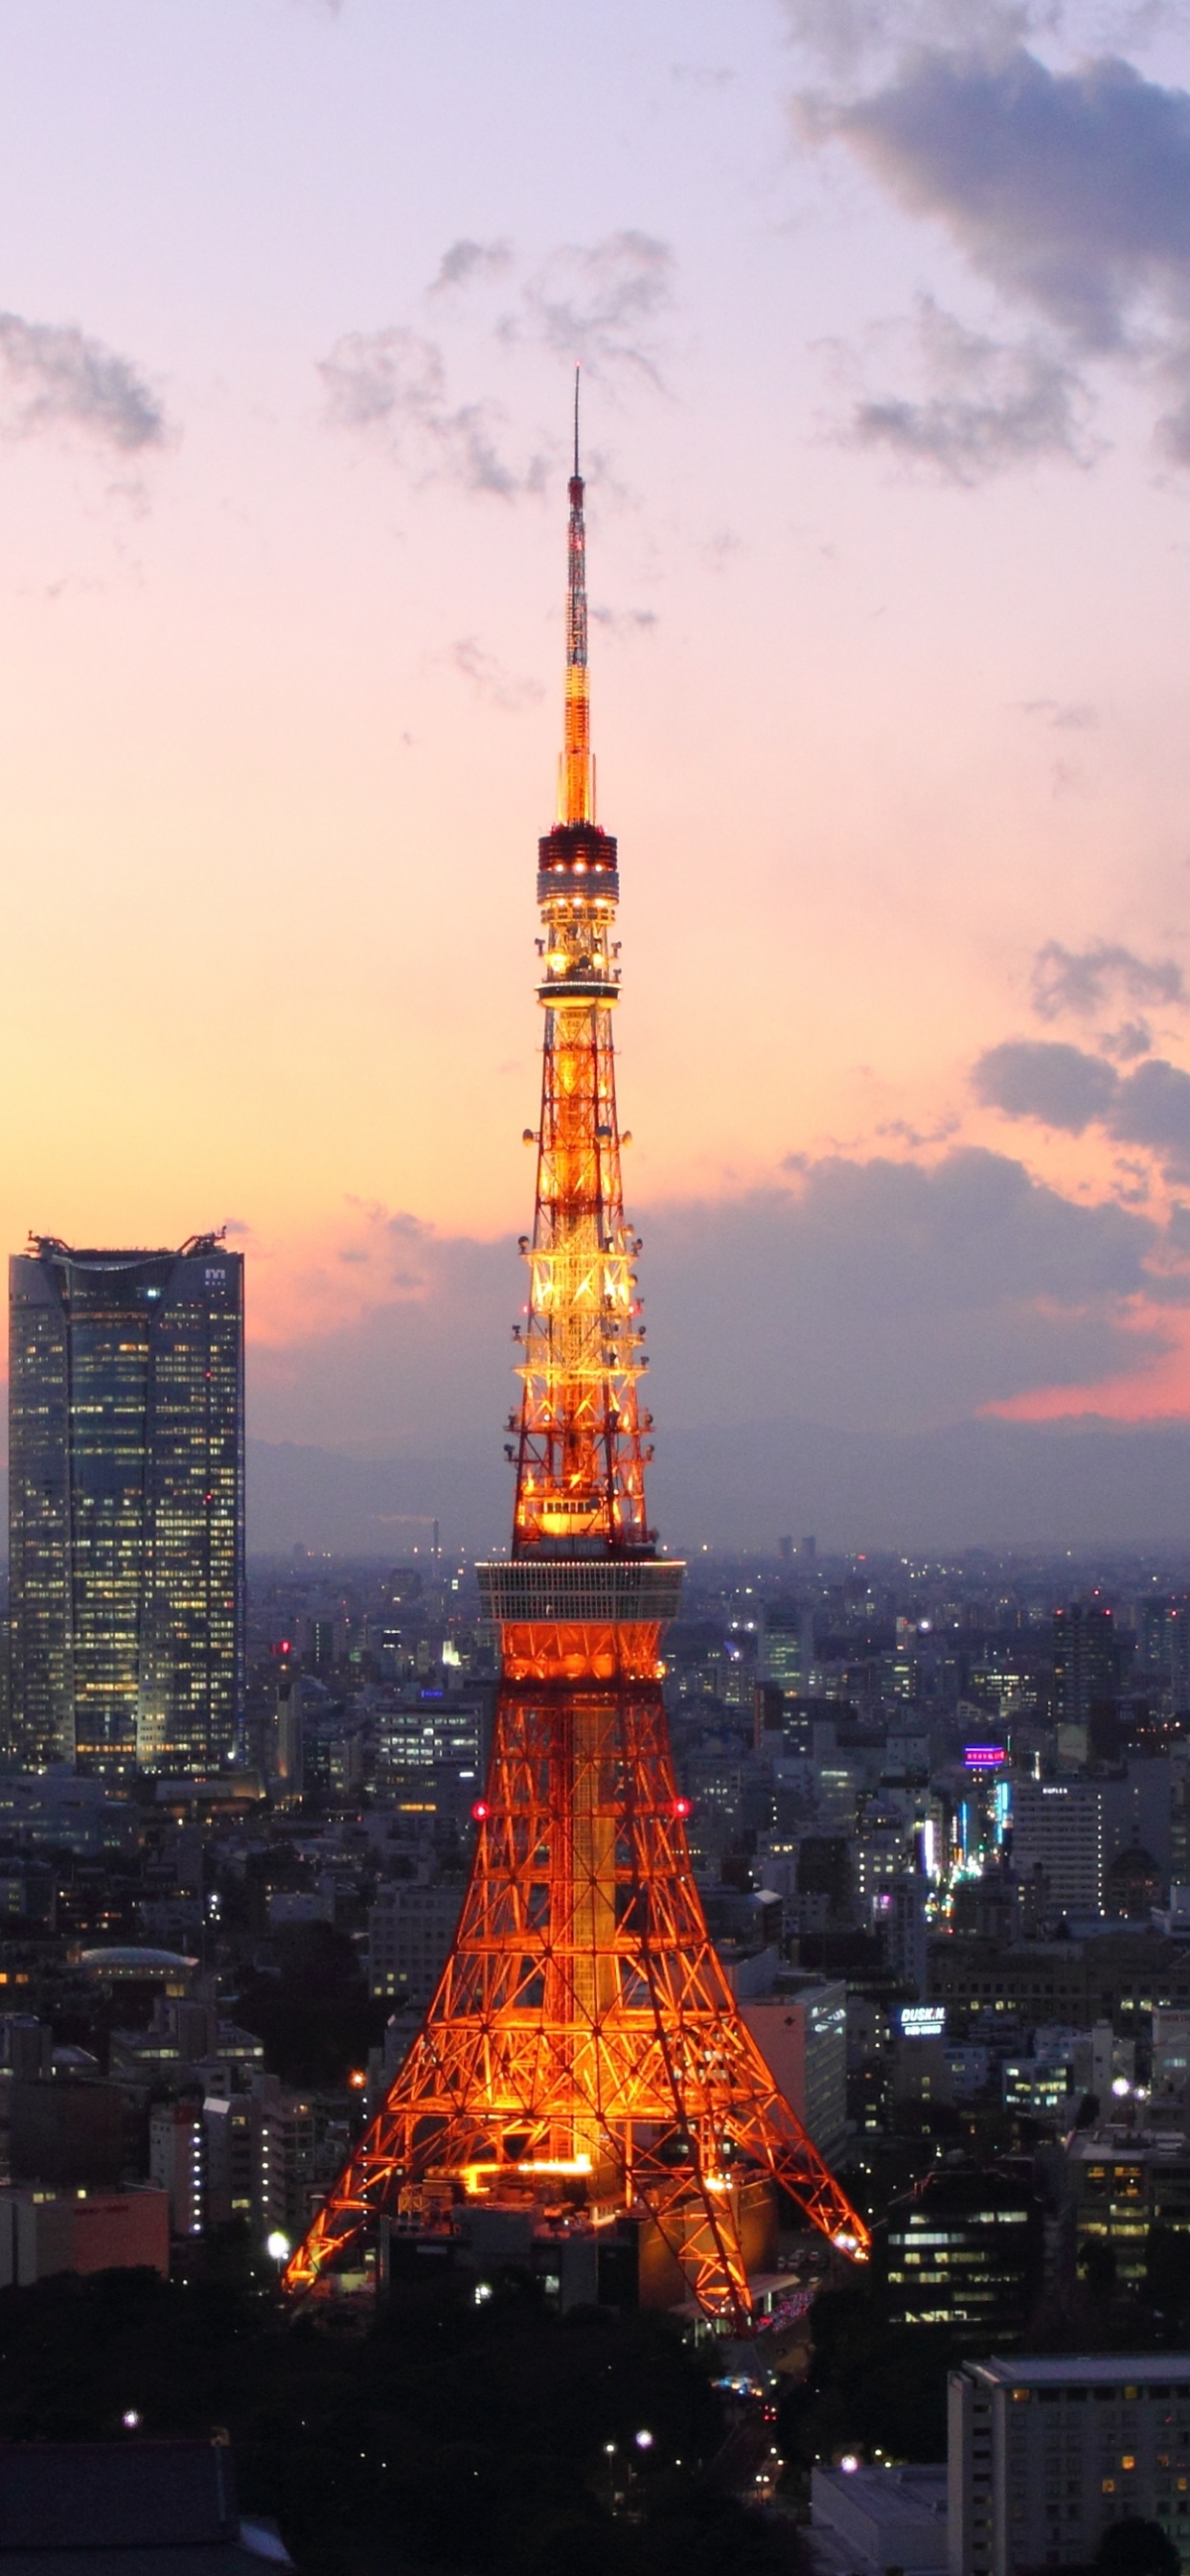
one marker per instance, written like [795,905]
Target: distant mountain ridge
[1087,1482]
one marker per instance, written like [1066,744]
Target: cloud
[1061,1086]
[886,1295]
[1084,980]
[1152,1107]
[1132,1038]
[466,261]
[53,377]
[601,306]
[988,405]
[1039,1078]
[392,385]
[624,621]
[490,682]
[881,1295]
[1071,717]
[845,35]
[1070,190]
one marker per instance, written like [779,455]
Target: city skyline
[890,518]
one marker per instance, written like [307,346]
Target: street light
[644,2441]
[279,2248]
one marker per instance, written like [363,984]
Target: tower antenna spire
[576,770]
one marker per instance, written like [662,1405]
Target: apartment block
[410,1930]
[1044,2454]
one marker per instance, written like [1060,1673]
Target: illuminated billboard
[921,2021]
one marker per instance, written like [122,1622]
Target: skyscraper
[126,1506]
[1087,1660]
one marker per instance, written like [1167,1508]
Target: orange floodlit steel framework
[583,2037]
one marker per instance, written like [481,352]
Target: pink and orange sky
[883,308]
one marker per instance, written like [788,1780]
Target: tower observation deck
[583,2045]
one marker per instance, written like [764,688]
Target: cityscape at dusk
[595,1733]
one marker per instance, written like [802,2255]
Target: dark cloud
[466,261]
[392,385]
[987,405]
[1152,1107]
[879,1294]
[53,377]
[1038,1078]
[1061,1086]
[884,1294]
[1132,1038]
[1070,190]
[601,305]
[1085,980]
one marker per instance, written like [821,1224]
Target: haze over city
[888,492]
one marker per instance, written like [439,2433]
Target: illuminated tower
[583,2043]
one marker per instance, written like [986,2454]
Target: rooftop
[119,1962]
[1084,2370]
[888,2496]
[1115,2143]
[138,2508]
[865,2519]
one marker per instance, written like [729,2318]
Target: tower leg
[583,2031]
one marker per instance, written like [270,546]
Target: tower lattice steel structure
[583,2038]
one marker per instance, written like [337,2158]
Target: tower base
[584,2050]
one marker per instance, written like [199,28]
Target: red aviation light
[481,1811]
[681,1808]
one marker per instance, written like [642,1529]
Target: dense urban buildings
[126,1510]
[206,1990]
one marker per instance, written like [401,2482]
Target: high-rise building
[1057,1827]
[1087,1661]
[126,1506]
[788,1646]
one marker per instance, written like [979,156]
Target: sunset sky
[884,318]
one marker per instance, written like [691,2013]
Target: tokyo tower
[583,2048]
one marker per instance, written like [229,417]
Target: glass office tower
[126,1506]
